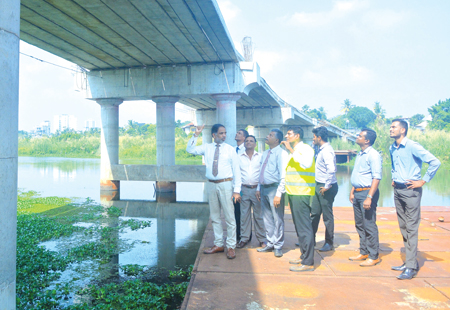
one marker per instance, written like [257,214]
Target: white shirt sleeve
[305,159]
[237,179]
[282,163]
[193,149]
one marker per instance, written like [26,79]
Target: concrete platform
[256,281]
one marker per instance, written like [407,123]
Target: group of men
[243,182]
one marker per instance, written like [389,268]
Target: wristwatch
[368,196]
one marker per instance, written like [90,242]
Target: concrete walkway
[261,281]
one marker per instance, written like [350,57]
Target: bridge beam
[9,107]
[109,143]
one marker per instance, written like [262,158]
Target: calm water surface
[80,178]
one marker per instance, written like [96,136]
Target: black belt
[270,185]
[400,185]
[250,186]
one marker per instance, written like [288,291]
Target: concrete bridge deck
[260,281]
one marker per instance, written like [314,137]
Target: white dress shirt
[326,166]
[303,154]
[241,149]
[228,165]
[275,170]
[250,168]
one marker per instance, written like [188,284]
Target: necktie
[261,176]
[216,161]
[237,149]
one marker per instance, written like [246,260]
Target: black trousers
[301,215]
[407,204]
[324,205]
[366,223]
[237,215]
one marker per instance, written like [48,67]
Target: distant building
[89,124]
[45,127]
[424,122]
[63,122]
[189,128]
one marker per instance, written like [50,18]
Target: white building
[63,122]
[89,124]
[45,127]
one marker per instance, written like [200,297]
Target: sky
[315,53]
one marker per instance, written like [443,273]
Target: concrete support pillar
[261,134]
[165,137]
[109,143]
[166,241]
[308,135]
[226,114]
[9,120]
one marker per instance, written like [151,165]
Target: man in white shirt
[271,190]
[224,175]
[250,169]
[326,187]
[240,137]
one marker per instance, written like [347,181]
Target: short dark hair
[371,135]
[245,132]
[403,124]
[250,136]
[322,132]
[297,130]
[279,134]
[215,128]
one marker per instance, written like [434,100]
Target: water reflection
[172,240]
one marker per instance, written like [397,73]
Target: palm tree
[346,106]
[379,111]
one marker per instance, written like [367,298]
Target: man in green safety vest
[300,186]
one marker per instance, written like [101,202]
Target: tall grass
[130,147]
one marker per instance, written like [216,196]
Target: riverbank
[67,257]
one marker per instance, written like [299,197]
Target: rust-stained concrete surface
[261,281]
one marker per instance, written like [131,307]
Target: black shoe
[399,268]
[278,253]
[265,249]
[407,274]
[297,244]
[326,247]
[403,267]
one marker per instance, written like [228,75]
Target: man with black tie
[224,186]
[240,137]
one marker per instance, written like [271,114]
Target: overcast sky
[317,53]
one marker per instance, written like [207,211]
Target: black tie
[237,149]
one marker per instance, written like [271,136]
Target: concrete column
[165,137]
[308,135]
[261,134]
[9,120]
[109,143]
[226,114]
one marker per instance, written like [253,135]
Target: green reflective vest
[300,181]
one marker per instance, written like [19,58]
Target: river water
[74,177]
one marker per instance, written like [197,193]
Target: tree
[416,119]
[361,116]
[440,114]
[379,111]
[319,114]
[305,108]
[346,106]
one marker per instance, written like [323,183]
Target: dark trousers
[366,224]
[407,204]
[324,204]
[237,215]
[301,216]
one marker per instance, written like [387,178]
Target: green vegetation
[440,112]
[136,141]
[40,284]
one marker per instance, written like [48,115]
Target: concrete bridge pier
[109,143]
[226,114]
[307,134]
[261,134]
[165,137]
[9,105]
